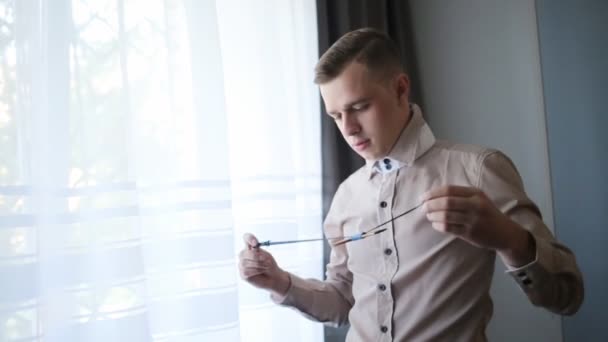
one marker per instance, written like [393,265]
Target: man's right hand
[259,268]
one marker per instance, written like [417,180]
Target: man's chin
[367,155]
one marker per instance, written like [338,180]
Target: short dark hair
[368,46]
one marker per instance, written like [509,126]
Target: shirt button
[383,328]
[388,166]
[388,251]
[387,161]
[381,287]
[383,204]
[527,281]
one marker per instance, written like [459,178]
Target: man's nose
[350,125]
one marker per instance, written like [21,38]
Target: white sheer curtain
[139,139]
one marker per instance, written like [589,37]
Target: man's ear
[403,87]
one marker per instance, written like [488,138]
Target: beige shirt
[412,282]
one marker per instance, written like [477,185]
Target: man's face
[369,112]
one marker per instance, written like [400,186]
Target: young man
[427,277]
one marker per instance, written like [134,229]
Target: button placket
[384,298]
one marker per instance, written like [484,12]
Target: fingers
[450,221]
[250,240]
[249,267]
[449,191]
[451,203]
[451,209]
[250,272]
[451,228]
[256,255]
[254,261]
[248,263]
[449,217]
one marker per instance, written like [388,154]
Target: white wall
[480,72]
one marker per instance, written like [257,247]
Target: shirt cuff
[531,274]
[528,265]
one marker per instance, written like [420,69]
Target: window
[138,141]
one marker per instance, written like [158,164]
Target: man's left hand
[469,214]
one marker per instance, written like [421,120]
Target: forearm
[321,301]
[545,269]
[552,279]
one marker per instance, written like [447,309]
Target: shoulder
[468,151]
[472,154]
[476,159]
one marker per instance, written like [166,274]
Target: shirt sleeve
[326,301]
[553,280]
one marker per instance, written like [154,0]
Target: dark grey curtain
[335,18]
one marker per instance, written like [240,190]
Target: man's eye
[359,107]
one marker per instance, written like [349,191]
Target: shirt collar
[415,139]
